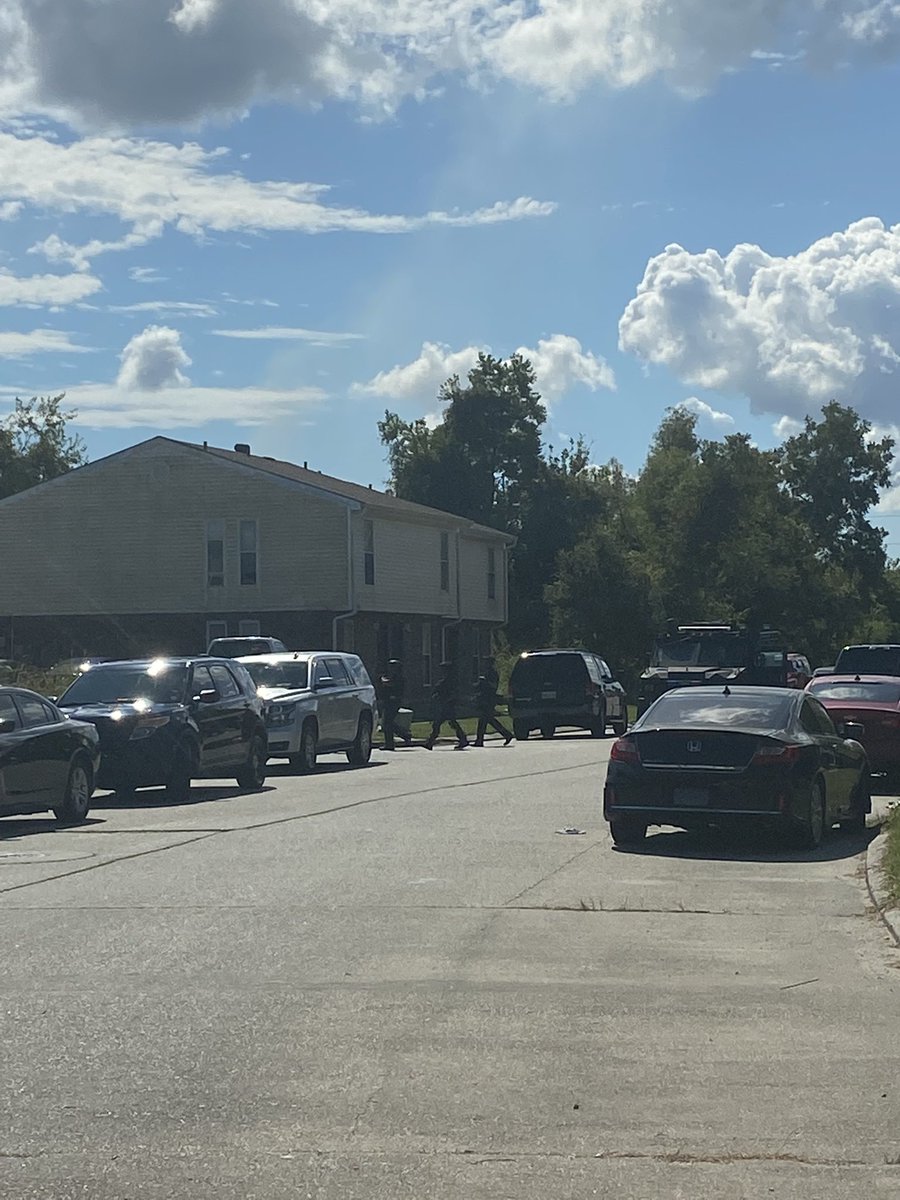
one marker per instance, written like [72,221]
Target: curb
[889,917]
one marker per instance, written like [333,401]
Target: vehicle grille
[707,749]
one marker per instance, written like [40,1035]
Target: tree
[35,444]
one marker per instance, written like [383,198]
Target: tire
[252,775]
[521,730]
[627,831]
[814,828]
[76,800]
[178,785]
[548,730]
[361,750]
[305,762]
[856,821]
[598,725]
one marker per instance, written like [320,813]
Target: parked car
[317,701]
[166,722]
[47,761]
[799,671]
[236,647]
[868,659]
[736,756]
[873,703]
[550,688]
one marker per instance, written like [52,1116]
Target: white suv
[317,701]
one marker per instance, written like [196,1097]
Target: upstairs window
[369,548]
[445,562]
[215,553]
[249,564]
[492,574]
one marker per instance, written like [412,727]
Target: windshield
[708,650]
[683,707]
[293,675]
[160,683]
[869,660]
[877,691]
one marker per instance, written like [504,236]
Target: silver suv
[317,701]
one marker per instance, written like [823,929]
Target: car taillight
[624,750]
[775,756]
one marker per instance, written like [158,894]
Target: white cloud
[221,55]
[10,209]
[789,333]
[153,359]
[559,362]
[37,341]
[706,412]
[153,185]
[279,333]
[786,427]
[110,406]
[39,290]
[178,308]
[145,275]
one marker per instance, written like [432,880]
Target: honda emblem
[694,747]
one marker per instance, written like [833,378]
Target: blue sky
[270,232]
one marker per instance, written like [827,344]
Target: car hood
[282,693]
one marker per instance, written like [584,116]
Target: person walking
[444,699]
[393,685]
[486,706]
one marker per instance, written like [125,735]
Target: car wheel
[252,775]
[77,796]
[627,831]
[548,729]
[856,821]
[521,730]
[305,761]
[361,750]
[178,785]
[814,828]
[598,725]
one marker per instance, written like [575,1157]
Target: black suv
[549,688]
[172,720]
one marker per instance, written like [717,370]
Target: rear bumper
[692,799]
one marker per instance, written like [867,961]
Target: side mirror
[852,730]
[7,725]
[209,696]
[326,681]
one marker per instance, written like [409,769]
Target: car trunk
[697,749]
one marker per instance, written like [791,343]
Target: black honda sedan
[172,720]
[47,762]
[703,756]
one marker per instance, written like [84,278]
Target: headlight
[146,726]
[280,714]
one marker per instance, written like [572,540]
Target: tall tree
[35,444]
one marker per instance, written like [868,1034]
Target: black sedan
[47,762]
[705,756]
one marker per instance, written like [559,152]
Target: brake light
[775,756]
[624,750]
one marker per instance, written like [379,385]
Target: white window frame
[427,676]
[215,534]
[445,562]
[245,523]
[249,627]
[215,629]
[369,553]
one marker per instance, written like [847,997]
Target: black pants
[389,724]
[487,720]
[446,713]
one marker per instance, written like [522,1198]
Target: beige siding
[129,536]
[475,604]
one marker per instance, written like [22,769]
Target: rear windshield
[886,692]
[235,647]
[561,669]
[868,660]
[161,683]
[761,710]
[280,675]
[706,650]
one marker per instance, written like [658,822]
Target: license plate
[691,797]
[548,695]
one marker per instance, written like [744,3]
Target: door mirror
[852,730]
[7,725]
[209,696]
[326,681]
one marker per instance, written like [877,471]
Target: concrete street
[404,981]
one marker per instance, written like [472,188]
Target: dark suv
[172,720]
[549,688]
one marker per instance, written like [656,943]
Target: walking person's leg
[436,723]
[505,733]
[482,729]
[461,740]
[387,725]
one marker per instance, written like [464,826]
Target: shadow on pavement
[752,846]
[16,827]
[284,770]
[156,797]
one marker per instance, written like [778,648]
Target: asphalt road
[404,981]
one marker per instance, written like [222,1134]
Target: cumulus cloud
[152,185]
[281,333]
[51,290]
[153,360]
[97,61]
[706,412]
[789,333]
[10,209]
[37,341]
[786,427]
[559,362]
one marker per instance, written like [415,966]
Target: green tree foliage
[35,444]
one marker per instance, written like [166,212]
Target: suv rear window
[563,669]
[868,660]
[236,647]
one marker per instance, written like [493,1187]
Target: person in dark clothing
[393,685]
[485,706]
[444,699]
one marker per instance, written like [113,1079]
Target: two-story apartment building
[161,547]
